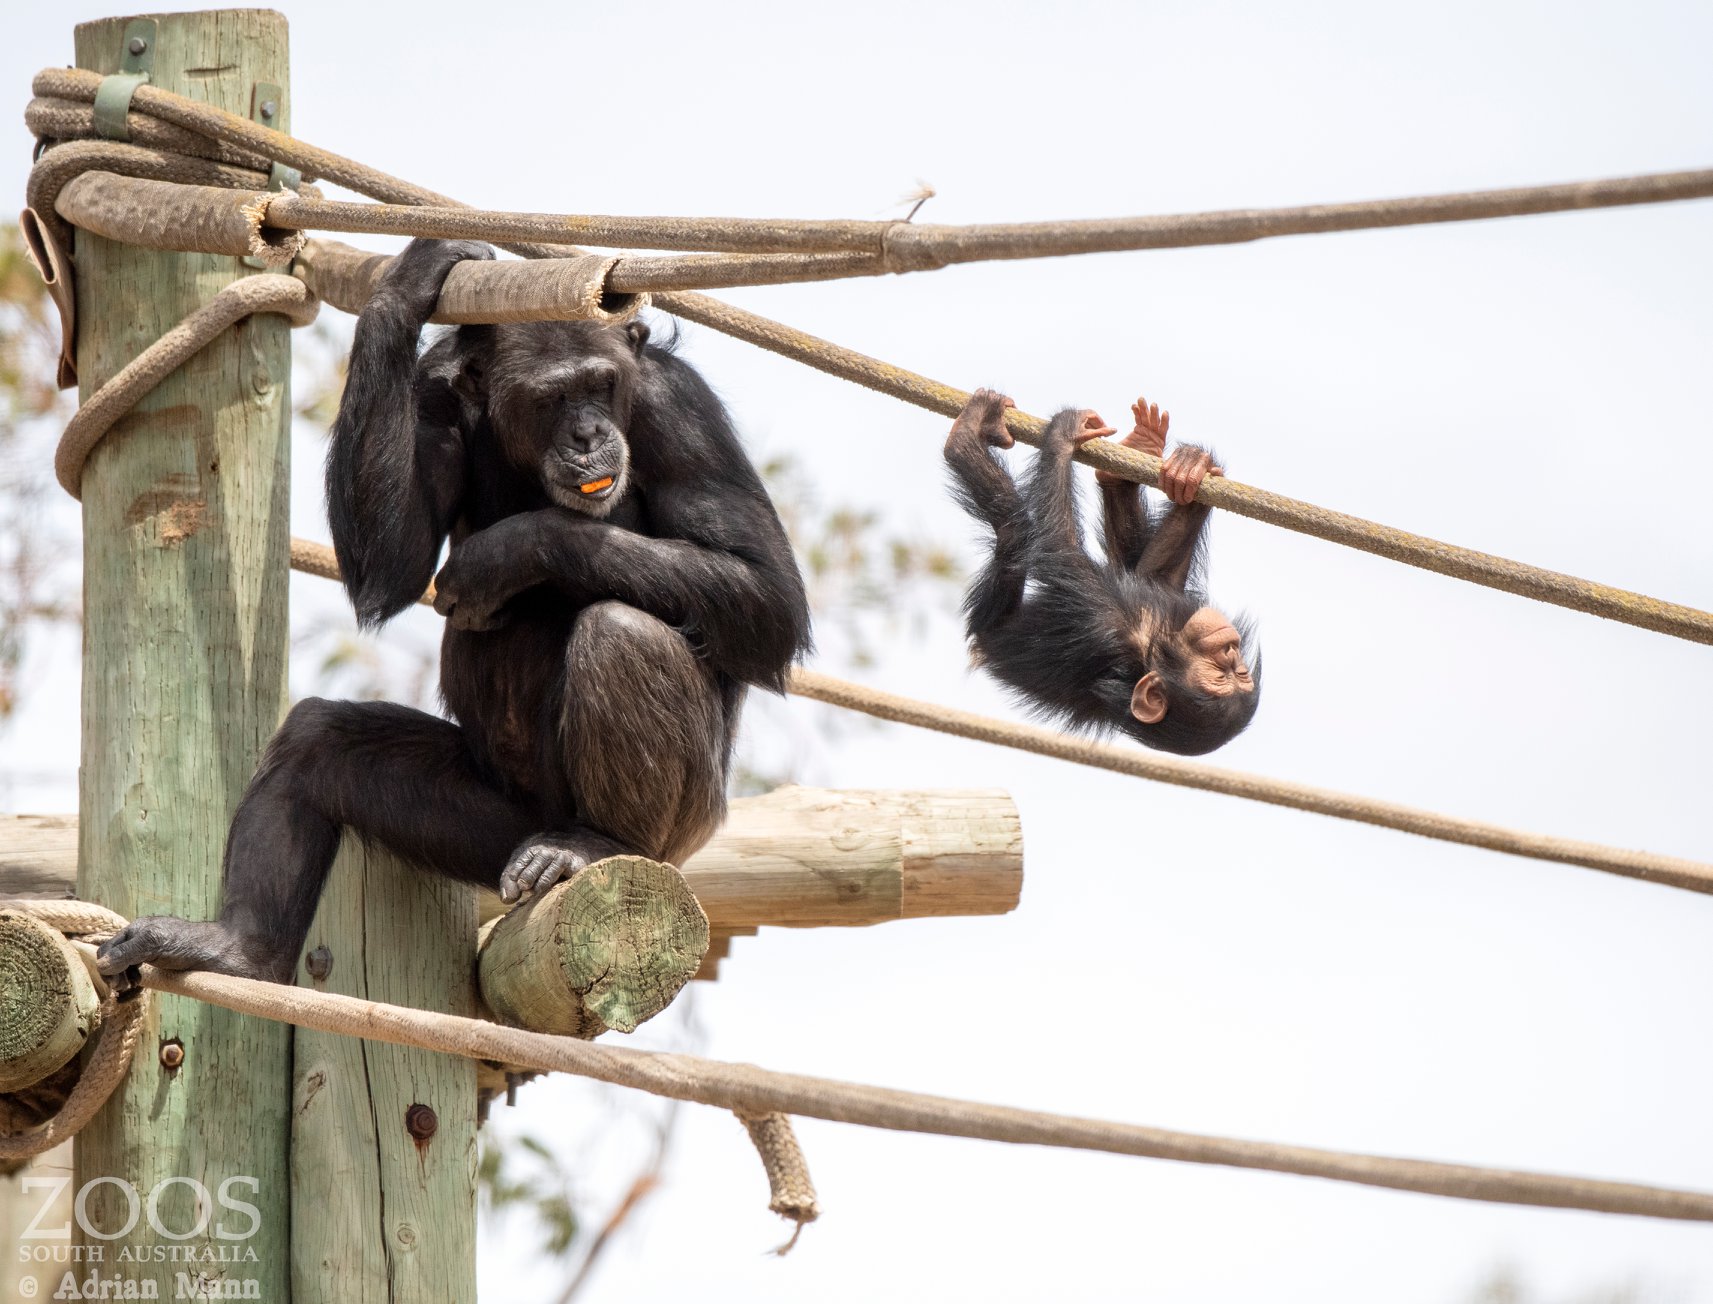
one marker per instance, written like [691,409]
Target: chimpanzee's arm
[987,492]
[395,469]
[1174,555]
[725,575]
[1126,526]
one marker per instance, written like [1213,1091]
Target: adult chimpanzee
[618,576]
[1132,644]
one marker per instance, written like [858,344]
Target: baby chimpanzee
[1131,644]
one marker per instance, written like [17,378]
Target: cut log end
[608,949]
[47,1003]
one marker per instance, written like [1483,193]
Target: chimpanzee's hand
[1069,430]
[1148,435]
[1182,473]
[484,572]
[412,284]
[981,421]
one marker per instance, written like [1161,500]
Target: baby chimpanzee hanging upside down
[1131,644]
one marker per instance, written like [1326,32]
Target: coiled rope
[121,1027]
[64,100]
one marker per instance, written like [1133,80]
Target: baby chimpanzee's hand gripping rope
[1131,644]
[618,576]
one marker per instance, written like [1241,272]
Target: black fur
[597,647]
[1059,629]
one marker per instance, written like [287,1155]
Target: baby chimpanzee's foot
[981,422]
[545,859]
[170,943]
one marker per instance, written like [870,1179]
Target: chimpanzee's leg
[646,732]
[987,492]
[400,777]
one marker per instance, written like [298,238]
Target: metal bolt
[319,962]
[269,108]
[137,45]
[421,1122]
[172,1053]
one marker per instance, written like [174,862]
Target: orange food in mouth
[595,486]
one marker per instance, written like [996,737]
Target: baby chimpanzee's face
[1216,655]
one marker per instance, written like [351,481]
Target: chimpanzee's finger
[1165,423]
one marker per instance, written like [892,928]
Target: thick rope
[911,246]
[78,85]
[747,1090]
[121,1027]
[752,1092]
[1669,871]
[252,294]
[789,1185]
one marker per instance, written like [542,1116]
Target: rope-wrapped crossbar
[1217,491]
[251,294]
[317,559]
[121,1027]
[747,1090]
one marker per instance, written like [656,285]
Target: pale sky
[1532,387]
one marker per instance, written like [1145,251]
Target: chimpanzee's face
[561,401]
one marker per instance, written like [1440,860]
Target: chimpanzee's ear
[471,378]
[1148,699]
[637,332]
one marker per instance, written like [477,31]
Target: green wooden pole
[383,1156]
[185,553]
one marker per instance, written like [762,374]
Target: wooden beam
[794,858]
[185,546]
[815,858]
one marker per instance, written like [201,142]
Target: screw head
[172,1053]
[319,962]
[269,108]
[136,45]
[421,1122]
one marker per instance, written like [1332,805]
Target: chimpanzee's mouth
[597,488]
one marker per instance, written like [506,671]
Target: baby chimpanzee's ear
[637,333]
[1148,698]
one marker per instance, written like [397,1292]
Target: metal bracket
[136,64]
[267,106]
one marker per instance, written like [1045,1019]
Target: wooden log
[608,948]
[383,1146]
[48,1005]
[185,545]
[814,858]
[794,857]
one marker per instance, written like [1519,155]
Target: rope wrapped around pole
[71,87]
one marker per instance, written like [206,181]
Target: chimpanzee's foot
[981,422]
[545,859]
[169,943]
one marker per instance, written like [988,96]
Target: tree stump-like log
[48,1005]
[608,948]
